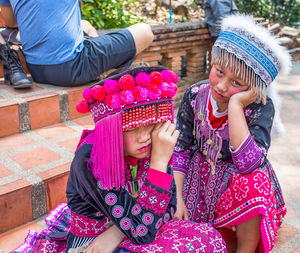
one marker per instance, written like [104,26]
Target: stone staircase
[39,130]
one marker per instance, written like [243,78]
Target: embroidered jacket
[139,218]
[197,134]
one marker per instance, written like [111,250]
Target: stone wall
[182,47]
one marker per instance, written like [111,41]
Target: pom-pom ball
[111,86]
[82,107]
[113,100]
[174,77]
[156,78]
[98,92]
[154,92]
[143,79]
[126,97]
[140,93]
[127,82]
[87,94]
[166,76]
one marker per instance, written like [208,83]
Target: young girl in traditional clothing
[221,168]
[121,193]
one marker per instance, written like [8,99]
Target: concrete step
[35,107]
[34,168]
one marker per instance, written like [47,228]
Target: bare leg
[7,17]
[88,28]
[248,235]
[2,41]
[142,35]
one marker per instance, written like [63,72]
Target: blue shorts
[99,54]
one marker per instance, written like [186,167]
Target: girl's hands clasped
[164,137]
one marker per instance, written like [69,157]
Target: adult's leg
[142,35]
[14,73]
[7,16]
[88,28]
[112,50]
[2,41]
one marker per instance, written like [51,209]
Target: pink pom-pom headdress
[134,98]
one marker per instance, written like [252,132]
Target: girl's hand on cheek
[244,98]
[164,137]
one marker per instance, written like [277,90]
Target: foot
[18,80]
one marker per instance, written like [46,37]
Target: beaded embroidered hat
[250,51]
[136,97]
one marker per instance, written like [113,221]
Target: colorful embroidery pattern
[50,246]
[86,227]
[166,217]
[152,199]
[125,223]
[111,199]
[181,236]
[136,209]
[148,218]
[181,162]
[159,223]
[249,156]
[248,196]
[133,232]
[141,230]
[117,211]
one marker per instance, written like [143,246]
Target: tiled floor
[44,153]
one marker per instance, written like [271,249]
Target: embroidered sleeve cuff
[241,145]
[247,156]
[160,179]
[153,198]
[181,162]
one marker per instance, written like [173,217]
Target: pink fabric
[153,200]
[107,156]
[49,246]
[181,237]
[160,179]
[83,226]
[100,110]
[248,155]
[246,197]
[181,162]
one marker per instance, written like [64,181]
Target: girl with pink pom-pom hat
[121,192]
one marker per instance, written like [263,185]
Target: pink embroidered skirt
[175,236]
[228,198]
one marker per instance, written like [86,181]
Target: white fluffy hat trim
[247,23]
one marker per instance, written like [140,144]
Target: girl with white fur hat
[221,168]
